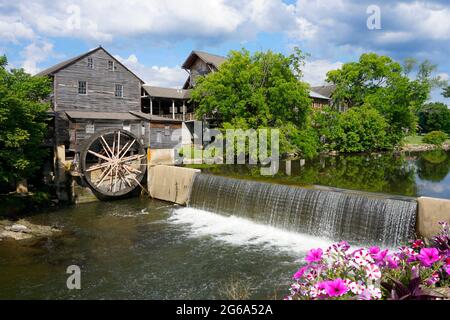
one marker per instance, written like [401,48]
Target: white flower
[373,272]
[361,258]
[374,291]
[357,287]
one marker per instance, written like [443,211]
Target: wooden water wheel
[113,162]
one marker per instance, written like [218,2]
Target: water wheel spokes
[113,162]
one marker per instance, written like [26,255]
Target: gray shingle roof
[209,58]
[170,93]
[325,90]
[52,70]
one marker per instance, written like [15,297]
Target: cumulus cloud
[12,29]
[315,71]
[106,19]
[172,77]
[35,53]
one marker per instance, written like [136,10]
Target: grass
[415,139]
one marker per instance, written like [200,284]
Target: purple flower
[447,269]
[343,245]
[392,262]
[428,256]
[433,279]
[300,273]
[336,288]
[314,255]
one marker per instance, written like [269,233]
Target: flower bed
[411,272]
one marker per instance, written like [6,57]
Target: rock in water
[18,228]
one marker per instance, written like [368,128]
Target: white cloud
[104,20]
[425,20]
[172,77]
[35,53]
[12,29]
[395,37]
[444,76]
[315,71]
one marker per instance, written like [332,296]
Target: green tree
[435,137]
[22,122]
[434,117]
[258,91]
[361,130]
[446,92]
[383,84]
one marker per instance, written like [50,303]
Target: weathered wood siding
[100,95]
[78,134]
[100,86]
[164,135]
[199,68]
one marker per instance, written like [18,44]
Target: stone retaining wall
[431,211]
[170,183]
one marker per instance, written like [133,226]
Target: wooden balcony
[179,116]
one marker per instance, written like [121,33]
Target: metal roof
[325,90]
[101,115]
[313,94]
[209,58]
[159,92]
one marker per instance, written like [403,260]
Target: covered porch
[167,102]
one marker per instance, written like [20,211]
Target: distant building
[327,90]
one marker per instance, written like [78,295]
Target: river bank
[25,230]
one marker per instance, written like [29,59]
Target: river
[149,249]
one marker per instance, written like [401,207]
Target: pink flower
[336,288]
[374,250]
[314,255]
[428,256]
[318,290]
[300,273]
[417,244]
[373,272]
[392,261]
[378,255]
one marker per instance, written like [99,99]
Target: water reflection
[410,174]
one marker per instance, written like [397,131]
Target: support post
[184,111]
[173,109]
[151,106]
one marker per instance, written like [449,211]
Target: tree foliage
[446,92]
[258,91]
[434,117]
[435,137]
[381,83]
[22,122]
[357,130]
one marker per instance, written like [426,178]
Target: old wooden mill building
[105,119]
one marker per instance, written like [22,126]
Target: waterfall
[357,218]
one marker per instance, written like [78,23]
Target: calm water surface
[410,174]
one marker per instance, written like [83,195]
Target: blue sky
[153,37]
